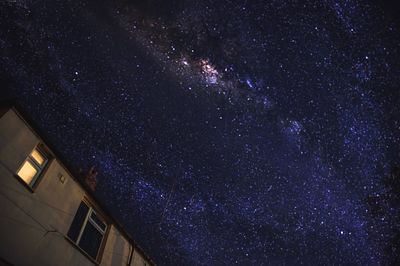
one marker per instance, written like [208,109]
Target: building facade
[48,216]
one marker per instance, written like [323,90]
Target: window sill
[81,251]
[28,187]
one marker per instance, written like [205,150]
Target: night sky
[225,132]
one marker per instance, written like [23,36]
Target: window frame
[40,169]
[91,209]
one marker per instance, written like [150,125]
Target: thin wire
[22,222]
[37,200]
[21,209]
[46,231]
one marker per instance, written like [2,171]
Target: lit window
[32,167]
[38,157]
[87,230]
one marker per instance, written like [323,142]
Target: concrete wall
[33,225]
[138,260]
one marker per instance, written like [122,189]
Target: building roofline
[14,105]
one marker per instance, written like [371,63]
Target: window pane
[91,240]
[38,157]
[77,223]
[98,221]
[27,172]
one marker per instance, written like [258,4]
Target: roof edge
[5,106]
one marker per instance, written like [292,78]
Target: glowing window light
[27,172]
[32,167]
[38,157]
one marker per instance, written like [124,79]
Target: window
[87,230]
[32,167]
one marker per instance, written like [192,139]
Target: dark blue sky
[225,132]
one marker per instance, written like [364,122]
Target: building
[48,216]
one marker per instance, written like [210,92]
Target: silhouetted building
[48,216]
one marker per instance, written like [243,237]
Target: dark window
[78,221]
[91,240]
[87,230]
[98,221]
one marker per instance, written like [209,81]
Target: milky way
[225,132]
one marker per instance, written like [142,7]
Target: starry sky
[225,132]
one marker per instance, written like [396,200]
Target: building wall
[33,225]
[138,260]
[118,250]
